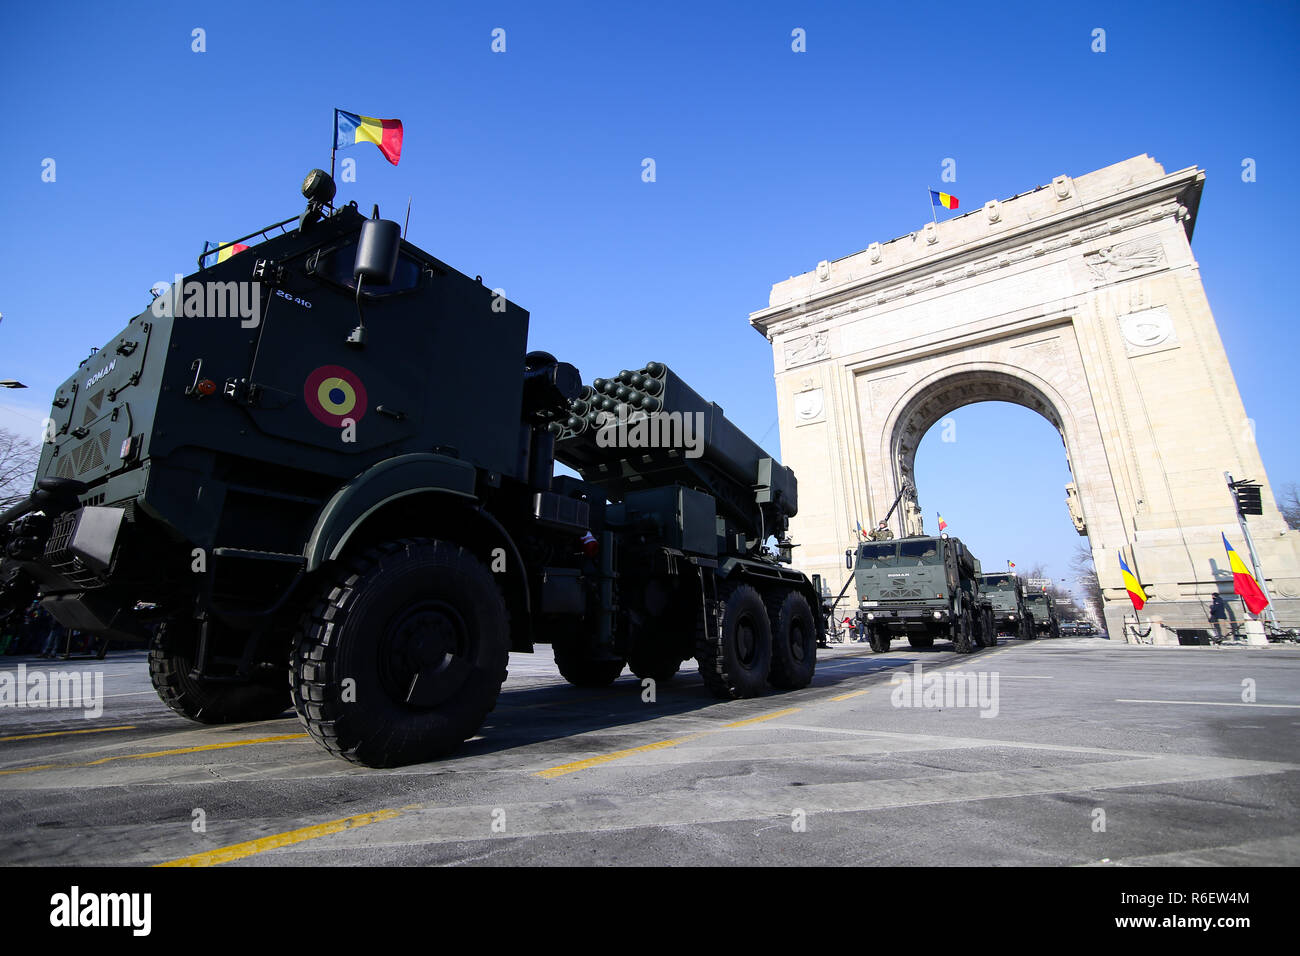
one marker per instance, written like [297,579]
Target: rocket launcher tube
[722,446]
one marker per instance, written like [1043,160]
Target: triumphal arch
[1080,300]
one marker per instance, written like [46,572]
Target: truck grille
[898,593]
[85,457]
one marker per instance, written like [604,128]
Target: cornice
[1174,195]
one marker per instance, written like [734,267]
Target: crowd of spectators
[32,630]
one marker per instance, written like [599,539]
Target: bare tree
[1085,573]
[18,459]
[1290,505]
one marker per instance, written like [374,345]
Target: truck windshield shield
[1000,582]
[878,555]
[919,552]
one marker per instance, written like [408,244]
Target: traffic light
[1249,499]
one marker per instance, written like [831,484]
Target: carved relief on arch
[1125,259]
[807,348]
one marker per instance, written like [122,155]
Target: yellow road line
[161,753]
[63,733]
[759,720]
[240,850]
[561,770]
[856,693]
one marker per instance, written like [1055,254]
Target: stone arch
[945,390]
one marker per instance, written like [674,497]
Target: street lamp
[11,383]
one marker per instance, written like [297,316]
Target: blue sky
[525,167]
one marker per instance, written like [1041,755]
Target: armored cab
[921,588]
[1005,591]
[329,455]
[1041,608]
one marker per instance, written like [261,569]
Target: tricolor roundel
[334,393]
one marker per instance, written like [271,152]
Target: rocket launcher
[648,428]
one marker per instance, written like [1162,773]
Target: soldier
[882,533]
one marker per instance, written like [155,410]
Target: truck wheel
[171,658]
[920,641]
[736,662]
[1028,628]
[962,637]
[403,654]
[581,670]
[1056,629]
[794,645]
[878,638]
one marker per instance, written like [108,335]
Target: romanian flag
[860,531]
[350,129]
[944,200]
[1243,582]
[1134,587]
[943,525]
[224,252]
[1011,565]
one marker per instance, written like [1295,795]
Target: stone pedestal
[1255,632]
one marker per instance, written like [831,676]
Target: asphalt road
[1091,753]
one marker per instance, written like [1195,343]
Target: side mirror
[848,559]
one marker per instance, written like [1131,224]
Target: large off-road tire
[1056,629]
[794,644]
[403,655]
[878,638]
[581,670]
[963,637]
[172,653]
[737,661]
[921,641]
[1031,629]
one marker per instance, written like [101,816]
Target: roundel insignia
[333,394]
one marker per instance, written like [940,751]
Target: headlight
[1011,617]
[870,616]
[938,614]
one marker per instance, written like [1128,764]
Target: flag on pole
[350,129]
[860,531]
[1132,585]
[943,525]
[1011,565]
[1243,582]
[943,200]
[224,252]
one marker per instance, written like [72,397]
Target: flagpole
[929,195]
[334,141]
[1250,548]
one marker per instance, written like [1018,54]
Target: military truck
[1007,594]
[344,498]
[921,588]
[1042,608]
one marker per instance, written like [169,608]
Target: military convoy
[922,589]
[344,498]
[320,472]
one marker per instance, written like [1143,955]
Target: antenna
[406,224]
